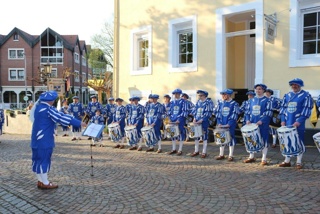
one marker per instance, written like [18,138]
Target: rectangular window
[16,37]
[84,61]
[16,54]
[185,48]
[16,74]
[183,44]
[76,76]
[83,77]
[311,33]
[76,57]
[143,53]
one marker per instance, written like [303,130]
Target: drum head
[146,128]
[249,127]
[129,127]
[112,125]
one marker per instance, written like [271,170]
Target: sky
[66,17]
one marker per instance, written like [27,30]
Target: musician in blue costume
[129,110]
[190,107]
[92,107]
[177,115]
[1,120]
[318,103]
[295,109]
[275,108]
[202,112]
[136,118]
[44,117]
[226,112]
[76,110]
[98,118]
[110,110]
[64,110]
[155,112]
[259,111]
[120,118]
[150,100]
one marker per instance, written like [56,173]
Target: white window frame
[16,50]
[15,37]
[84,61]
[76,77]
[54,72]
[296,57]
[76,58]
[84,77]
[176,26]
[17,74]
[135,36]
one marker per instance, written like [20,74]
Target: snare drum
[252,138]
[172,130]
[131,135]
[290,144]
[222,136]
[149,136]
[195,130]
[316,139]
[114,132]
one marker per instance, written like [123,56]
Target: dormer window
[16,37]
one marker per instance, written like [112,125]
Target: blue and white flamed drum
[114,132]
[172,130]
[195,130]
[131,135]
[252,138]
[222,136]
[316,139]
[149,136]
[290,145]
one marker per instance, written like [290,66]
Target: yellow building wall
[135,14]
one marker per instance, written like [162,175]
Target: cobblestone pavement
[126,181]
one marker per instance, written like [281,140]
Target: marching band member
[275,107]
[110,110]
[129,110]
[166,105]
[92,107]
[44,117]
[154,116]
[318,103]
[295,109]
[136,118]
[259,111]
[120,117]
[202,112]
[148,102]
[1,120]
[64,110]
[226,113]
[98,119]
[177,114]
[190,107]
[76,110]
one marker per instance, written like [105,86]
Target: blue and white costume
[1,120]
[202,112]
[259,109]
[318,103]
[226,113]
[98,119]
[110,110]
[137,117]
[76,110]
[120,117]
[65,129]
[92,107]
[155,112]
[44,117]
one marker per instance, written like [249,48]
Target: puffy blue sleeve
[63,119]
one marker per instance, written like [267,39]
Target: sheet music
[93,130]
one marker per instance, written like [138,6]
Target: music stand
[93,130]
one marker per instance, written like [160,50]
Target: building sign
[57,84]
[270,31]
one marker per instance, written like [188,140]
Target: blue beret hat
[119,99]
[167,95]
[150,96]
[297,81]
[227,91]
[263,86]
[155,96]
[202,92]
[93,96]
[270,91]
[130,99]
[111,98]
[48,96]
[177,91]
[251,93]
[185,95]
[135,98]
[75,97]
